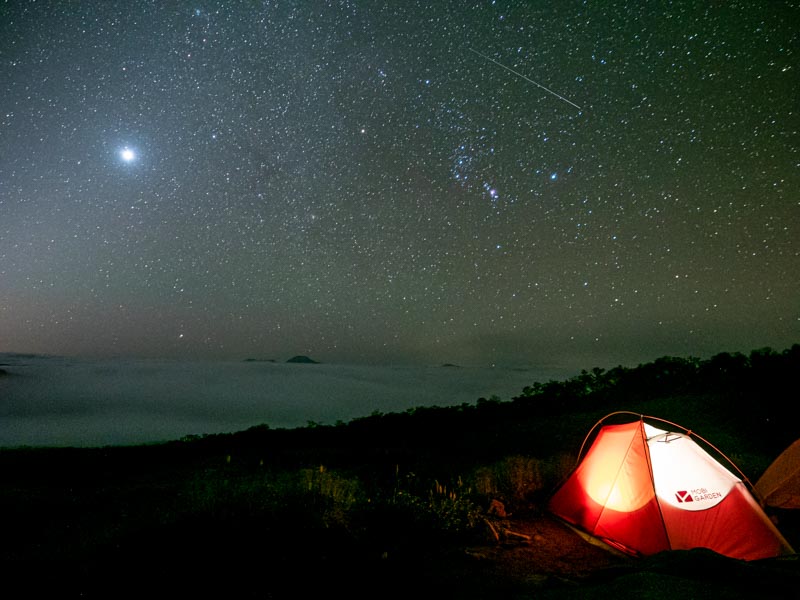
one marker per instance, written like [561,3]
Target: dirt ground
[540,548]
[541,557]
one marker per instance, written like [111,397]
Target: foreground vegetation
[383,505]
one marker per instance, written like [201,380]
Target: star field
[476,182]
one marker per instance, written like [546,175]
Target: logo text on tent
[696,495]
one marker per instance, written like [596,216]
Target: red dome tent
[643,489]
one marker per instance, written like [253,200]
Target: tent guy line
[528,79]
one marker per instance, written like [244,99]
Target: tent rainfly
[779,486]
[643,490]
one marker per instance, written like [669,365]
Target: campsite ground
[524,556]
[537,554]
[559,563]
[538,557]
[70,540]
[543,558]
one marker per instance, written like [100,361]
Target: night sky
[582,183]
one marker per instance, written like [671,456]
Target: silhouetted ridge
[303,360]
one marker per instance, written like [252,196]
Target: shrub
[333,495]
[521,482]
[443,508]
[515,480]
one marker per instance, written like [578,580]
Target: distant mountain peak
[302,359]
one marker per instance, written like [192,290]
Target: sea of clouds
[53,401]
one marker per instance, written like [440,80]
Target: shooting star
[489,58]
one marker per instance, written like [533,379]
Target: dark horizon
[510,360]
[54,401]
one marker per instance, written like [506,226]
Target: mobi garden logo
[696,495]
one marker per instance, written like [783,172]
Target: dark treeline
[744,403]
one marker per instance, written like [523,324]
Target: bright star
[127,154]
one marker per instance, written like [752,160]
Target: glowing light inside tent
[619,492]
[610,476]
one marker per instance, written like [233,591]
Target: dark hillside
[444,499]
[743,404]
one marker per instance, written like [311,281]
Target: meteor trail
[525,78]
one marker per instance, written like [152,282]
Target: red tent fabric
[643,490]
[779,485]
